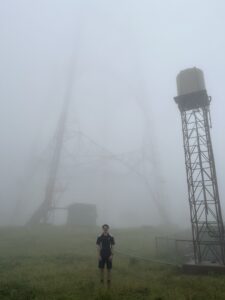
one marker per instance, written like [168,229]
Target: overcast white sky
[126,55]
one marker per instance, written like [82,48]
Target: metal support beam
[203,195]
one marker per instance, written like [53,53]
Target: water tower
[203,195]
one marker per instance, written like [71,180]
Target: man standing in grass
[105,243]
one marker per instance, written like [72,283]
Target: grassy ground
[60,263]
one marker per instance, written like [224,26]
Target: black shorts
[105,261]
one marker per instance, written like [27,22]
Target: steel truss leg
[205,210]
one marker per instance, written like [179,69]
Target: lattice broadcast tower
[203,195]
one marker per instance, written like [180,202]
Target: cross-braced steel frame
[205,210]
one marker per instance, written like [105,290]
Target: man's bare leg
[108,277]
[102,275]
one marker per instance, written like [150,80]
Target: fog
[116,62]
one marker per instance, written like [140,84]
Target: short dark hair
[105,225]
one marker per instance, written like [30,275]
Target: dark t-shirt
[105,242]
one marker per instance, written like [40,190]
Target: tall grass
[60,263]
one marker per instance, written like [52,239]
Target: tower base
[204,269]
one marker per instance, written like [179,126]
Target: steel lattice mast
[203,194]
[41,215]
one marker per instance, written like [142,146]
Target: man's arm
[112,250]
[98,249]
[98,252]
[112,247]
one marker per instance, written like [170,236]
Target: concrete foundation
[207,268]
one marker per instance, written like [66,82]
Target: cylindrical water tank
[190,81]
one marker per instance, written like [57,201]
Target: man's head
[105,228]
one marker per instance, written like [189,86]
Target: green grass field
[60,263]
